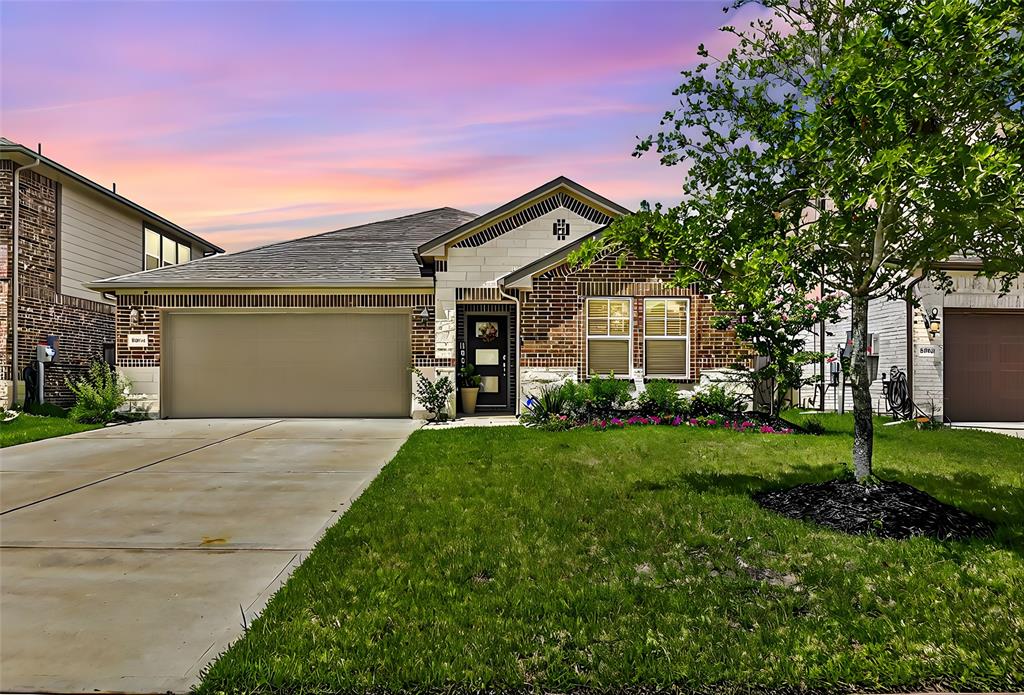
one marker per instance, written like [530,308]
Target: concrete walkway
[129,553]
[1010,429]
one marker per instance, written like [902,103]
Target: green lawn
[30,428]
[507,558]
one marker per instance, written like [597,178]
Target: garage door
[285,365]
[984,366]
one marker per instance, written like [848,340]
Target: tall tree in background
[851,143]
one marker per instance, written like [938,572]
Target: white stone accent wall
[145,391]
[534,379]
[433,374]
[481,266]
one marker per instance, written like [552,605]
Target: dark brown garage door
[984,366]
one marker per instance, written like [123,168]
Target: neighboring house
[329,325]
[962,353]
[67,232]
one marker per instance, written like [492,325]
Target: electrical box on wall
[873,348]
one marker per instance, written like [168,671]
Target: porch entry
[485,343]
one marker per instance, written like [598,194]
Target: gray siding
[887,319]
[97,241]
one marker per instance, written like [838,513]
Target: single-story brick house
[328,325]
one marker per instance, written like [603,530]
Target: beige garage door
[285,365]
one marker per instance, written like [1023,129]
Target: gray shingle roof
[374,253]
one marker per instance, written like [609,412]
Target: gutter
[411,284]
[519,341]
[16,289]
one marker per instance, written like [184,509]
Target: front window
[667,337]
[162,250]
[608,336]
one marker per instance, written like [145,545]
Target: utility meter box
[45,353]
[872,346]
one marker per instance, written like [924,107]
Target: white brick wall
[481,266]
[145,391]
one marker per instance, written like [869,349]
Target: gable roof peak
[603,209]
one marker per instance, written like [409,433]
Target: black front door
[487,350]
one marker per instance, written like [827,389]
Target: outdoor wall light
[932,321]
[424,316]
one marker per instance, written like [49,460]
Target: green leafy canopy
[854,143]
[846,146]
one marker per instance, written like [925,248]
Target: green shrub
[550,400]
[660,397]
[46,410]
[99,394]
[714,400]
[605,396]
[434,395]
[813,426]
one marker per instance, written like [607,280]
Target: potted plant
[470,388]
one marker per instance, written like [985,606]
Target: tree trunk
[863,427]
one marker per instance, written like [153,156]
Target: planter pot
[468,396]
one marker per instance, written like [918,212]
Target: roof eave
[411,283]
[20,152]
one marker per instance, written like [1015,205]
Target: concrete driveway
[129,553]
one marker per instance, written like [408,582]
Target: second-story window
[162,250]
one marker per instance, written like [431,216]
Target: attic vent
[560,229]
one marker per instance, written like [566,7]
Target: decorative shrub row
[601,398]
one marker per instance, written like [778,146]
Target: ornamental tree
[852,145]
[775,321]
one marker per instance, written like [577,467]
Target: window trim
[587,337]
[686,337]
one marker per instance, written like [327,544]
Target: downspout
[519,340]
[15,289]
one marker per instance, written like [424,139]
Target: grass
[512,559]
[30,428]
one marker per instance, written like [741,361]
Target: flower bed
[735,424]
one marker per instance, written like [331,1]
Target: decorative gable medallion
[534,211]
[560,228]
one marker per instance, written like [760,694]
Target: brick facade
[148,307]
[553,322]
[82,326]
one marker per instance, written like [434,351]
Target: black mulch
[884,509]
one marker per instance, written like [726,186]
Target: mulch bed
[887,509]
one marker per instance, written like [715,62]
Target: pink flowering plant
[774,321]
[734,424]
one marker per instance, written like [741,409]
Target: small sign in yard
[138,340]
[926,351]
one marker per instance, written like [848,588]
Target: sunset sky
[257,121]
